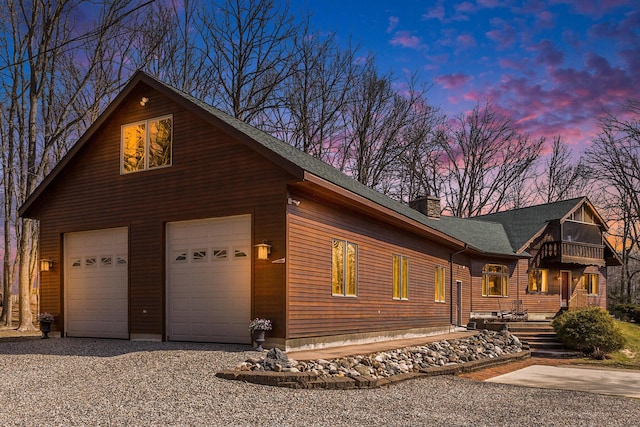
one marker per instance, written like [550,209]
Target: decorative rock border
[314,380]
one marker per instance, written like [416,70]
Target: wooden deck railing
[572,250]
[578,299]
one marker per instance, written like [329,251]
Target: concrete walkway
[616,382]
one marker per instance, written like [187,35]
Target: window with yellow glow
[400,277]
[440,284]
[344,268]
[590,283]
[495,280]
[147,144]
[538,281]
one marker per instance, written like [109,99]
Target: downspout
[451,282]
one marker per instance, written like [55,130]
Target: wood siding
[212,175]
[313,311]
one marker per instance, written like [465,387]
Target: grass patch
[629,356]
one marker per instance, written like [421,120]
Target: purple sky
[552,66]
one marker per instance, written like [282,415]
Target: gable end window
[400,277]
[146,144]
[538,281]
[439,281]
[495,280]
[344,268]
[590,283]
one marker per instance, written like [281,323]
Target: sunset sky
[552,66]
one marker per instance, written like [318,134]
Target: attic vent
[428,205]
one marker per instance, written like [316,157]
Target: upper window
[590,283]
[147,144]
[400,277]
[344,268]
[495,280]
[439,297]
[538,281]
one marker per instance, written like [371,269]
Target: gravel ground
[86,382]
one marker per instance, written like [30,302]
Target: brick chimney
[427,205]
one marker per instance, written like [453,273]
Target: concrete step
[551,345]
[555,353]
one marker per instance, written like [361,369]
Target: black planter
[258,337]
[45,327]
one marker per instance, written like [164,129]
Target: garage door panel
[96,283]
[208,286]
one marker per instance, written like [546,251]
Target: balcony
[572,253]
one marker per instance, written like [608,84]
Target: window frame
[588,284]
[400,279]
[342,274]
[543,285]
[147,144]
[502,275]
[440,284]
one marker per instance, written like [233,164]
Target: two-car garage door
[208,280]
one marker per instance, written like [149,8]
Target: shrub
[626,312]
[591,330]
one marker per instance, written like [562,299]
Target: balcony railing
[572,252]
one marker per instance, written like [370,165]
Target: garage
[96,283]
[209,280]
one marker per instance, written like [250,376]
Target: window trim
[543,285]
[504,275]
[588,284]
[146,144]
[402,286]
[345,271]
[440,288]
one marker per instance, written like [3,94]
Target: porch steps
[541,339]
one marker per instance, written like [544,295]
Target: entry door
[565,288]
[209,280]
[96,283]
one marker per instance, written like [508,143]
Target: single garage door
[209,280]
[96,283]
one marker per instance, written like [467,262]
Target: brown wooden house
[171,220]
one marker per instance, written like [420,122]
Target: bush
[590,330]
[626,312]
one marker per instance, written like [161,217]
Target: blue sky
[553,66]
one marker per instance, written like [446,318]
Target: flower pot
[45,327]
[258,337]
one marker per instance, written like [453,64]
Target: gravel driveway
[86,382]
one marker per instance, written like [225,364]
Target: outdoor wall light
[144,101]
[264,250]
[46,264]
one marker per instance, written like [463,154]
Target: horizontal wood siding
[212,175]
[313,311]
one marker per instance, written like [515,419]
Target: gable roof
[522,225]
[489,238]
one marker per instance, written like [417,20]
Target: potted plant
[258,327]
[45,320]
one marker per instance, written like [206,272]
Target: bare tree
[615,159]
[248,46]
[564,178]
[52,67]
[484,158]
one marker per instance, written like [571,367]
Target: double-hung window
[495,280]
[147,144]
[344,268]
[538,281]
[590,283]
[400,277]
[440,284]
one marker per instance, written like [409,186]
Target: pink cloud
[435,12]
[548,54]
[465,41]
[595,8]
[405,39]
[502,33]
[452,81]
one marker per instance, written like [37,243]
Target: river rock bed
[484,345]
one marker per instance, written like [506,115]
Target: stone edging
[307,380]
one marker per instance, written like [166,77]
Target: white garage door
[209,280]
[96,282]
